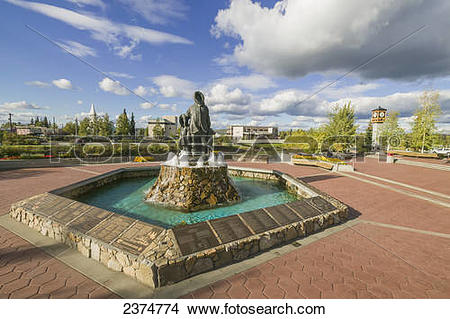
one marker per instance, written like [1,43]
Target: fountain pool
[126,197]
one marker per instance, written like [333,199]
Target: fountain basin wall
[156,256]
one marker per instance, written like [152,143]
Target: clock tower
[378,118]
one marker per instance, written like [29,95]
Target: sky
[283,63]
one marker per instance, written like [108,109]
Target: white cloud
[102,29]
[78,49]
[172,86]
[39,84]
[251,82]
[147,105]
[95,3]
[172,107]
[294,38]
[21,105]
[111,86]
[143,91]
[157,11]
[121,75]
[221,99]
[79,102]
[63,84]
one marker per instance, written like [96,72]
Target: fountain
[195,179]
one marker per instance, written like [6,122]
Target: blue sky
[258,62]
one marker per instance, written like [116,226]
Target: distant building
[31,130]
[248,132]
[92,113]
[378,119]
[169,127]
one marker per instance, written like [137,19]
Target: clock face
[382,114]
[374,115]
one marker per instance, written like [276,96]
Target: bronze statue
[198,124]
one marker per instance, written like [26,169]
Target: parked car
[443,151]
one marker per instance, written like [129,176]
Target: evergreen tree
[132,125]
[32,121]
[424,124]
[45,122]
[368,137]
[122,124]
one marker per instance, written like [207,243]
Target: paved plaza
[395,245]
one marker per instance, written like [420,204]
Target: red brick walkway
[364,261]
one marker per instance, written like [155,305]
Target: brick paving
[365,261]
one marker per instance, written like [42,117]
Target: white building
[248,132]
[169,127]
[92,113]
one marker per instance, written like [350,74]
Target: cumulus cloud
[157,11]
[172,86]
[111,86]
[63,84]
[102,29]
[222,99]
[78,49]
[143,91]
[21,105]
[79,102]
[294,38]
[38,84]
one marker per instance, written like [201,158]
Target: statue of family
[196,133]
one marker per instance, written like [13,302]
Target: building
[29,130]
[169,127]
[92,113]
[378,119]
[247,132]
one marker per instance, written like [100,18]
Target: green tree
[86,127]
[158,131]
[105,126]
[45,122]
[391,132]
[122,124]
[368,137]
[132,125]
[69,128]
[341,129]
[424,125]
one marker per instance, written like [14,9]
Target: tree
[86,127]
[341,129]
[132,125]
[390,131]
[368,137]
[424,124]
[106,126]
[158,131]
[32,121]
[45,122]
[70,128]
[122,124]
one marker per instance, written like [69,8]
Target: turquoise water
[126,197]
